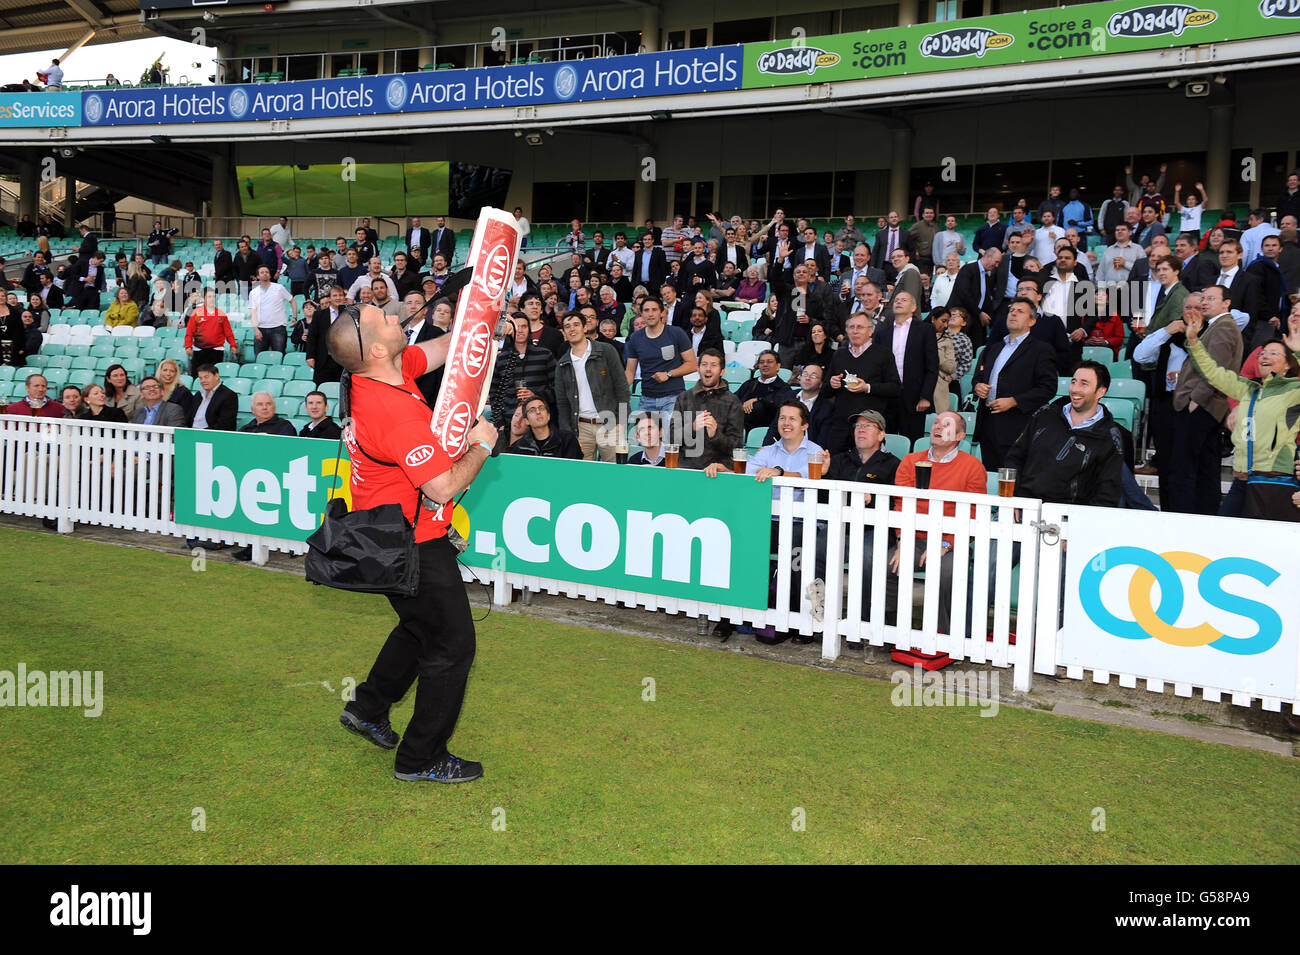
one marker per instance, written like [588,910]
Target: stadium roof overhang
[67,24]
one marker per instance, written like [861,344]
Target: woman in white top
[1190,214]
[944,278]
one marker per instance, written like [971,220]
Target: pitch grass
[202,710]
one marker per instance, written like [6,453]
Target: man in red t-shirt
[396,459]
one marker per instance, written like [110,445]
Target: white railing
[76,472]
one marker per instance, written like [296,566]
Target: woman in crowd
[765,327]
[1109,327]
[169,376]
[947,360]
[119,392]
[32,336]
[97,408]
[961,346]
[123,311]
[37,305]
[816,351]
[704,300]
[155,315]
[1264,437]
[751,288]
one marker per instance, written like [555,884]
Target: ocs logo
[396,93]
[1158,621]
[238,104]
[476,350]
[566,82]
[496,271]
[94,109]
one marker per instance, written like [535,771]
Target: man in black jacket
[978,290]
[319,360]
[85,286]
[697,271]
[892,236]
[1072,451]
[862,376]
[444,241]
[213,405]
[649,265]
[320,425]
[89,243]
[542,440]
[918,368]
[761,396]
[1015,377]
[223,267]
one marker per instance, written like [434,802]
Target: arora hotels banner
[600,78]
[648,530]
[1035,36]
[1191,603]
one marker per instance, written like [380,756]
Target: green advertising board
[647,530]
[1034,36]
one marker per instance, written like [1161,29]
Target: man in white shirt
[1259,226]
[280,233]
[53,77]
[621,253]
[374,271]
[267,312]
[1046,237]
[948,241]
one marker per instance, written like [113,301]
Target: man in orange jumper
[951,469]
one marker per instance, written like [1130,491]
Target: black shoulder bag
[369,551]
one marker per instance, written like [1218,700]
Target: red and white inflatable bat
[472,354]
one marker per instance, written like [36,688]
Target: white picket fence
[75,472]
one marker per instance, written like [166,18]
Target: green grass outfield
[201,710]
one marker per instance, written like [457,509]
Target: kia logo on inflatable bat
[496,271]
[476,350]
[458,422]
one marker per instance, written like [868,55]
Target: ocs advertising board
[1182,601]
[673,73]
[1036,36]
[652,531]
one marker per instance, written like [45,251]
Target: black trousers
[1161,426]
[903,418]
[434,642]
[205,356]
[1193,471]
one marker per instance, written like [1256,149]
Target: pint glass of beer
[1006,482]
[620,454]
[671,451]
[923,467]
[815,460]
[739,458]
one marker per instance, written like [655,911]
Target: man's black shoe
[801,639]
[244,553]
[449,769]
[381,734]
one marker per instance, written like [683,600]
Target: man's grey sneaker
[381,734]
[450,769]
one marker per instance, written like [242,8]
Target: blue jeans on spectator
[663,407]
[274,339]
[158,259]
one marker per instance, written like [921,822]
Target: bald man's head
[346,341]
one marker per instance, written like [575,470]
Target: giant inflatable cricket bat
[472,354]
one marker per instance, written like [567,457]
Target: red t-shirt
[394,424]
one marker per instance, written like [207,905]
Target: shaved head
[345,343]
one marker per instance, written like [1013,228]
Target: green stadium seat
[1098,353]
[77,350]
[330,389]
[240,386]
[105,349]
[228,369]
[246,403]
[252,371]
[297,389]
[280,373]
[38,361]
[270,358]
[303,373]
[1128,388]
[754,439]
[266,384]
[1121,409]
[103,364]
[923,444]
[83,363]
[1120,369]
[295,358]
[7,372]
[897,445]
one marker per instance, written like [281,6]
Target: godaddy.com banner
[1034,36]
[671,533]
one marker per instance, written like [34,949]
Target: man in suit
[649,265]
[153,410]
[50,293]
[598,254]
[1198,409]
[701,335]
[907,277]
[418,314]
[892,236]
[978,289]
[866,298]
[677,312]
[862,268]
[1015,377]
[444,240]
[732,252]
[697,271]
[88,280]
[1160,359]
[223,266]
[319,360]
[213,406]
[820,405]
[810,248]
[1245,294]
[89,243]
[418,237]
[915,350]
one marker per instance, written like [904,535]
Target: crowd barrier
[1079,592]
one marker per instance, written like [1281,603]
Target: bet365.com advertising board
[647,530]
[1173,597]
